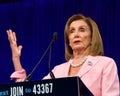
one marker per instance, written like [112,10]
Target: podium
[69,86]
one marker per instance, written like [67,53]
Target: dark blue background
[35,21]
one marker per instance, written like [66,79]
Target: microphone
[49,47]
[49,60]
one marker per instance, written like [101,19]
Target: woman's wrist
[17,64]
[15,58]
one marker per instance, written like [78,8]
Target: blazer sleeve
[18,76]
[110,80]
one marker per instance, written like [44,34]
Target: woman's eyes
[72,31]
[80,30]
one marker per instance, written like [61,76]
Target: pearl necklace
[77,65]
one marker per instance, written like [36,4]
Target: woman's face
[79,35]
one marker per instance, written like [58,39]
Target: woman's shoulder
[102,58]
[102,61]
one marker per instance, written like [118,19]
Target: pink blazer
[98,73]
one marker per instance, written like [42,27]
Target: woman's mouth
[76,41]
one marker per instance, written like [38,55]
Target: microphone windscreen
[54,36]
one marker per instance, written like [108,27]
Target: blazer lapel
[90,62]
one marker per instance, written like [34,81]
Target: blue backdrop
[35,21]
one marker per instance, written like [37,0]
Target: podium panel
[70,86]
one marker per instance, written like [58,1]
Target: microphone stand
[49,67]
[30,75]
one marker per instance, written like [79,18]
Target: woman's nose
[76,34]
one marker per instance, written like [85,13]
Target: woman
[84,54]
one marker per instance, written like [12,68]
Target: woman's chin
[77,48]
